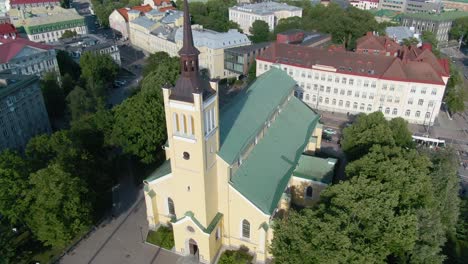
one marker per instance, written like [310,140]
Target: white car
[329,131]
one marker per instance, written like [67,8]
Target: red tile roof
[9,48]
[7,28]
[22,2]
[373,42]
[143,9]
[424,68]
[160,2]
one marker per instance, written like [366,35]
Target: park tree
[459,29]
[140,126]
[367,131]
[252,72]
[79,103]
[99,71]
[410,41]
[212,14]
[14,186]
[54,97]
[59,209]
[68,34]
[260,31]
[67,65]
[286,24]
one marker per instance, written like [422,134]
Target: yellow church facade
[231,172]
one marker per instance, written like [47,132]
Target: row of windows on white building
[343,80]
[362,106]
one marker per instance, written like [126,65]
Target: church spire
[189,81]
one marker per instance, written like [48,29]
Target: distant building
[3,7]
[461,5]
[75,47]
[239,59]
[270,12]
[161,5]
[211,45]
[365,4]
[439,24]
[162,31]
[23,114]
[410,85]
[416,6]
[8,31]
[398,34]
[377,45]
[22,4]
[44,24]
[119,18]
[25,57]
[303,38]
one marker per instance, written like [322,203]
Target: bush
[240,256]
[162,237]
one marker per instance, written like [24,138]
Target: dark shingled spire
[189,81]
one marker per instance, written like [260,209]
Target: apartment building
[212,45]
[413,6]
[161,5]
[365,4]
[461,5]
[22,56]
[439,24]
[270,12]
[410,85]
[77,46]
[119,18]
[23,4]
[23,114]
[239,59]
[44,24]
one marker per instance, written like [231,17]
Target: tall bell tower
[191,109]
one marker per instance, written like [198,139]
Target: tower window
[309,192]
[186,156]
[176,122]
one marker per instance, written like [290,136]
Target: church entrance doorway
[193,248]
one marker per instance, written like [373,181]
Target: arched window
[176,122]
[307,97]
[407,113]
[309,192]
[170,206]
[192,125]
[314,98]
[245,229]
[184,124]
[369,107]
[387,110]
[355,105]
[334,102]
[327,101]
[418,113]
[395,111]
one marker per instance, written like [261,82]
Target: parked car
[327,137]
[329,131]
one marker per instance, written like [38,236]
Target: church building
[231,172]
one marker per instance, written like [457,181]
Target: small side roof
[264,175]
[315,168]
[245,116]
[163,170]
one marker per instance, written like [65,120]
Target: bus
[429,142]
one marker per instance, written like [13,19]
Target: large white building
[162,31]
[44,24]
[21,56]
[270,12]
[410,85]
[365,4]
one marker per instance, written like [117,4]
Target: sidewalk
[121,241]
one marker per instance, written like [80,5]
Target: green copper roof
[265,173]
[245,116]
[458,1]
[209,228]
[444,16]
[315,168]
[163,170]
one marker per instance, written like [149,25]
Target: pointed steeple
[189,81]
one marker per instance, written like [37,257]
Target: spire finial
[187,48]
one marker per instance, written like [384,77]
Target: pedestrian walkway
[121,241]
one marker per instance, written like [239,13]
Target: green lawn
[235,257]
[162,237]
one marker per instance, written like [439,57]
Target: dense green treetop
[99,71]
[213,14]
[260,31]
[59,209]
[54,97]
[459,29]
